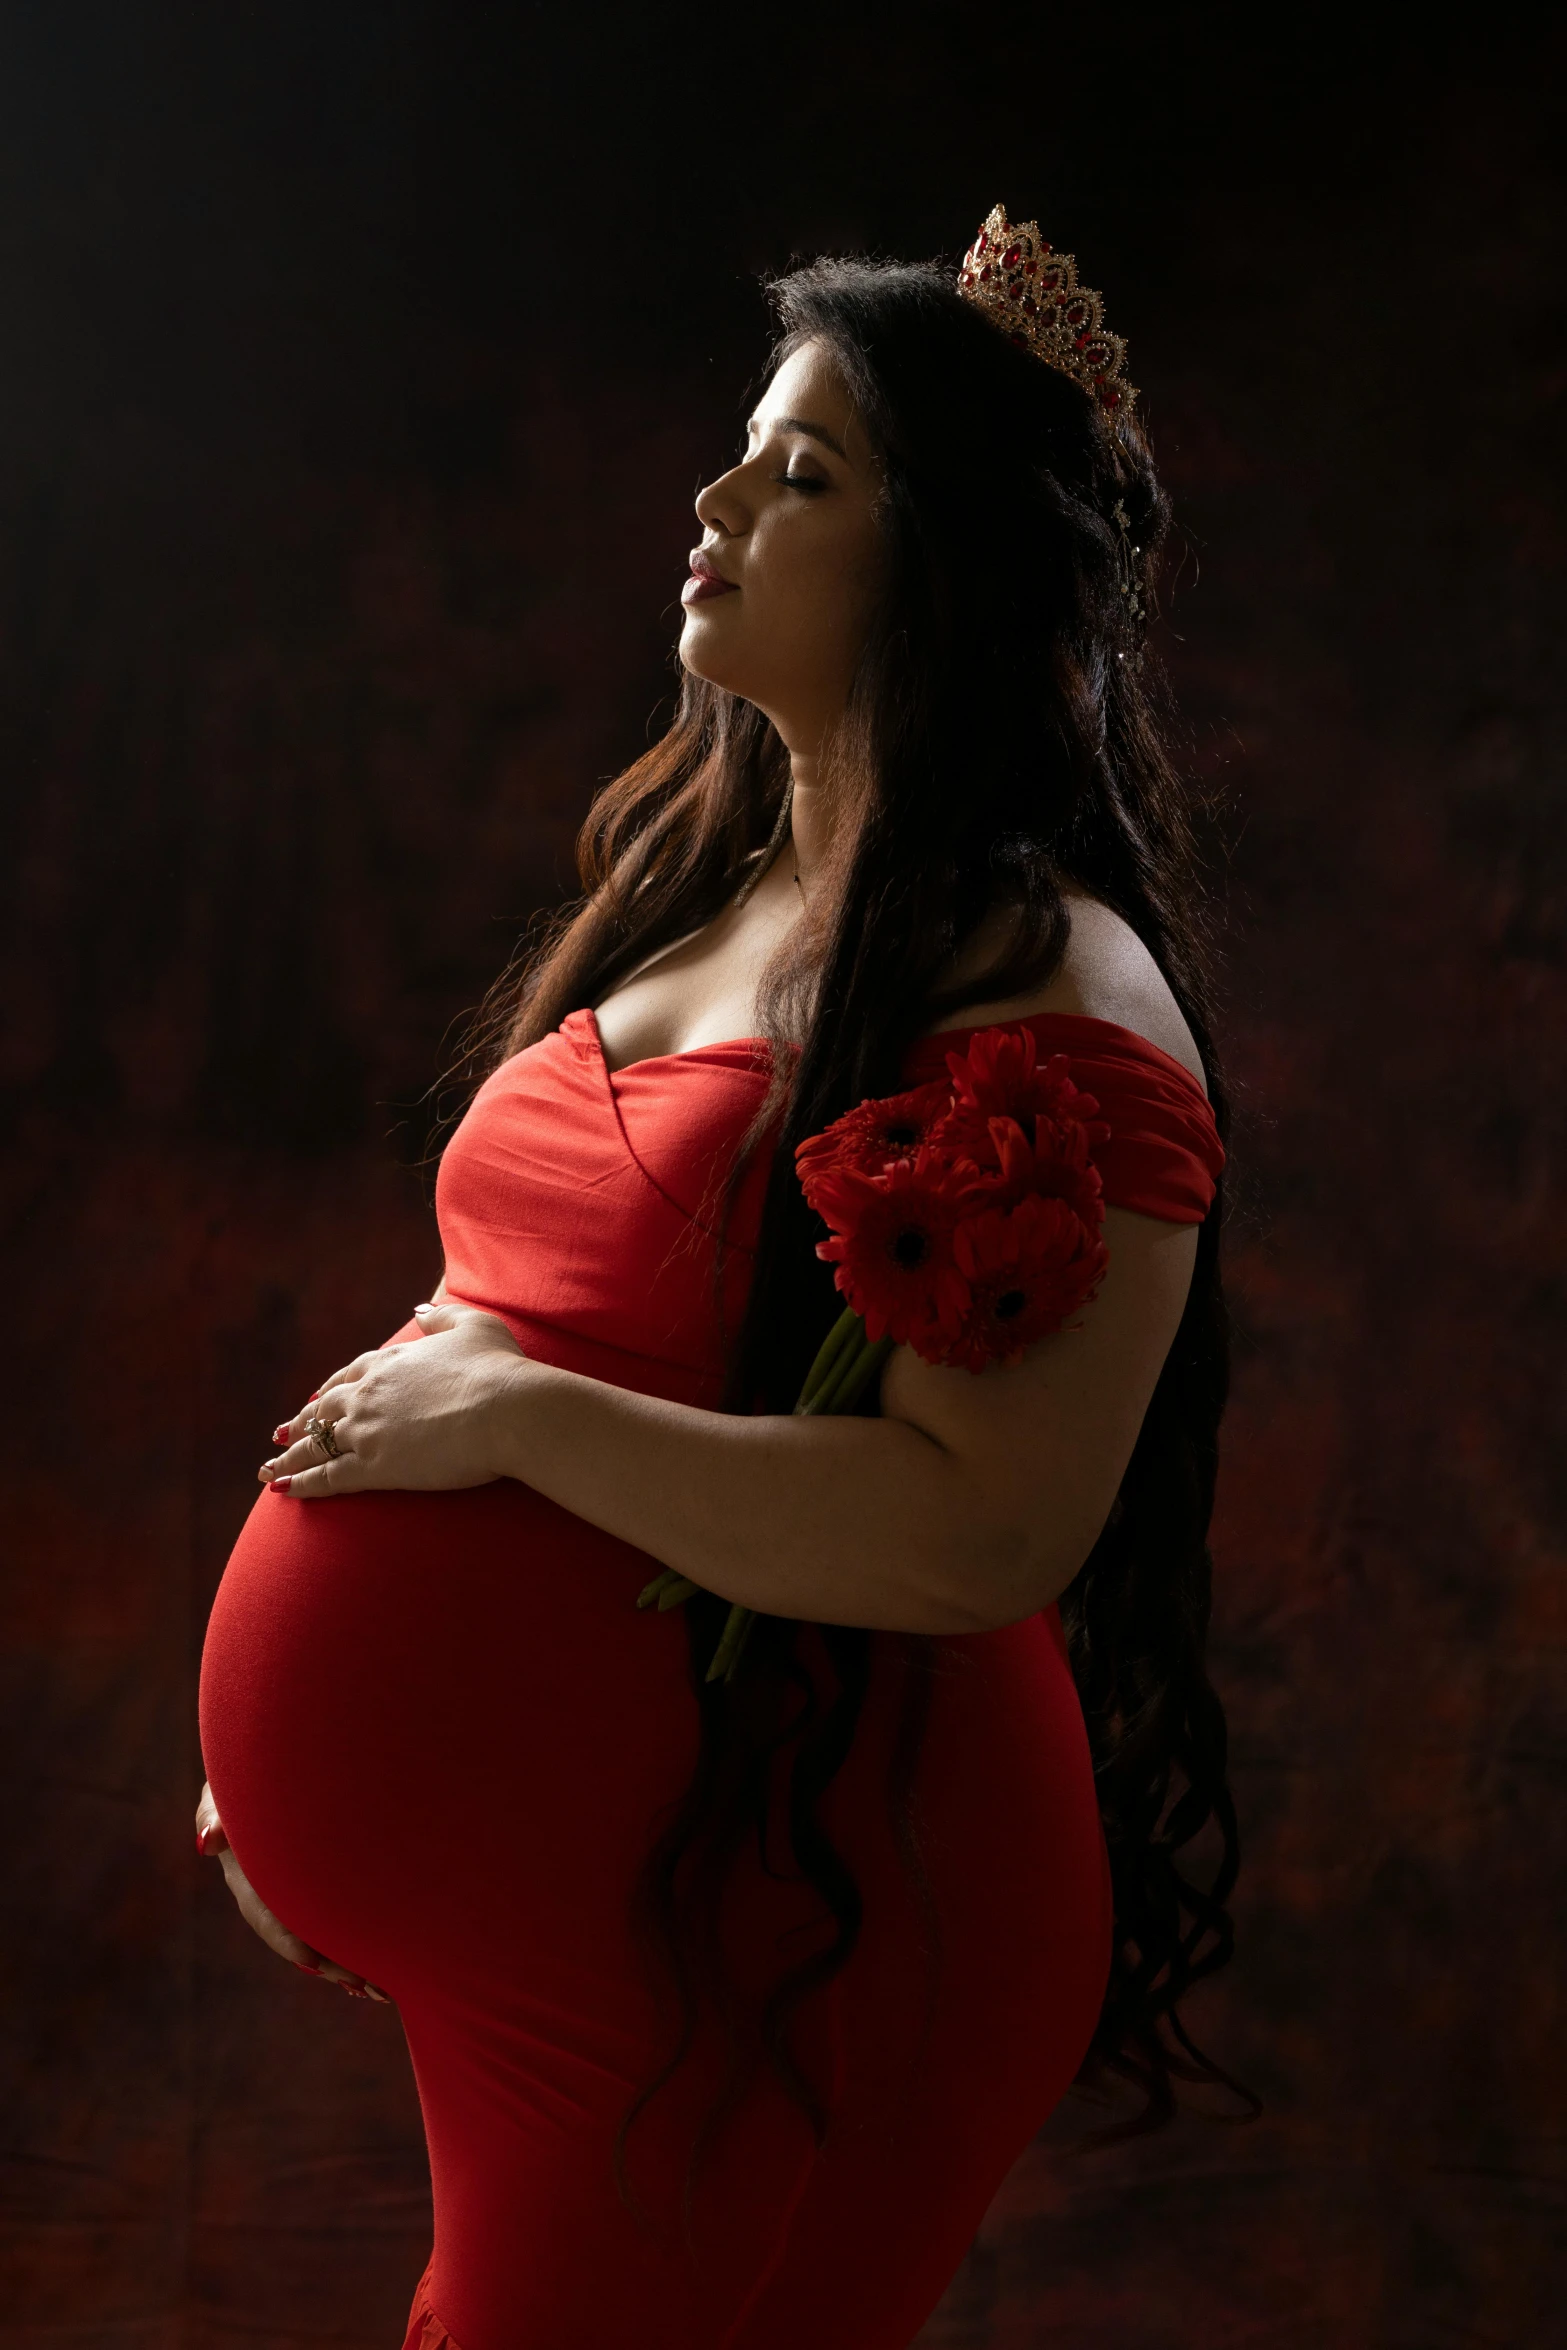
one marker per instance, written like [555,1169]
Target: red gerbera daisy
[1000,1076]
[1028,1268]
[871,1137]
[892,1243]
[1055,1164]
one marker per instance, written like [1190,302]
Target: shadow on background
[360,367]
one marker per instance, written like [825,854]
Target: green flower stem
[843,1364]
[828,1357]
[858,1375]
[727,1654]
[852,1374]
[667,1589]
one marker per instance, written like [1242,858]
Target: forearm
[831,1520]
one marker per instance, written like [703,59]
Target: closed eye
[810,484]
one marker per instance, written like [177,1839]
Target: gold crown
[1034,296]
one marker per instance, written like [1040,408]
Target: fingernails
[280,1434]
[314,1396]
[281,1484]
[201,1841]
[305,1969]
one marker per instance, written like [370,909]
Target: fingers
[261,1921]
[487,1329]
[344,1475]
[356,1986]
[304,1452]
[210,1838]
[289,1430]
[360,1421]
[277,1937]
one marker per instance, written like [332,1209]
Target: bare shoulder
[1106,974]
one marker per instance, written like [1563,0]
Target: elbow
[1016,1575]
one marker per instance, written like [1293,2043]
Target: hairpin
[1128,581]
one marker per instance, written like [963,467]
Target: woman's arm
[836,1521]
[969,1504]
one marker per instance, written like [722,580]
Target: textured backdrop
[360,364]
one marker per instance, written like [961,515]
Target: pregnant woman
[732,2001]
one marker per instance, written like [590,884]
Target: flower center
[910,1248]
[1010,1302]
[899,1135]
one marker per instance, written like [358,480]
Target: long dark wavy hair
[995,746]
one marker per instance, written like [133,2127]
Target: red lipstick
[706,580]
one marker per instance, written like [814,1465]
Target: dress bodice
[563,1176]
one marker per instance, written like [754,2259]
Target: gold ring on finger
[321,1431]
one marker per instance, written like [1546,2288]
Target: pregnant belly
[408,1696]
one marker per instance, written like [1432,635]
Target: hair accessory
[1129,582]
[1034,297]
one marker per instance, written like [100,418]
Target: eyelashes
[810,485]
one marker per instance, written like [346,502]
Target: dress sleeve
[1163,1156]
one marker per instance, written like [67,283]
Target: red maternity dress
[441,1736]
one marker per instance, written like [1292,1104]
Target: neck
[807,842]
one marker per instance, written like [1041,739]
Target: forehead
[809,384]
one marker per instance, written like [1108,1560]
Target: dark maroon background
[359,365]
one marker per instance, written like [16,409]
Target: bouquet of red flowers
[963,1220]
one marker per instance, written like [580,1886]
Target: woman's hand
[421,1418]
[210,1839]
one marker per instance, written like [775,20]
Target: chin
[703,658]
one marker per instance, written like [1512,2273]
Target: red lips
[706,580]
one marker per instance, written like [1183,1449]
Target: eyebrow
[816,432]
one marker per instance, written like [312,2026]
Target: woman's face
[785,581]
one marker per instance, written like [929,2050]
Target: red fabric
[1164,1156]
[425,2330]
[442,1738]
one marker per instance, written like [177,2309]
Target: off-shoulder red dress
[441,1738]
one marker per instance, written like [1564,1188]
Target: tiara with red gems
[1033,295]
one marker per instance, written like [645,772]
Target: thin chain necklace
[767,856]
[787,818]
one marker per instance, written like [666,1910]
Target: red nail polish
[306,1970]
[281,1484]
[314,1396]
[280,1434]
[201,1842]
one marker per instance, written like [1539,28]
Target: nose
[721,506]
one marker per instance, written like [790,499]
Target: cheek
[817,589]
[810,590]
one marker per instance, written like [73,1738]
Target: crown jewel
[1034,297]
